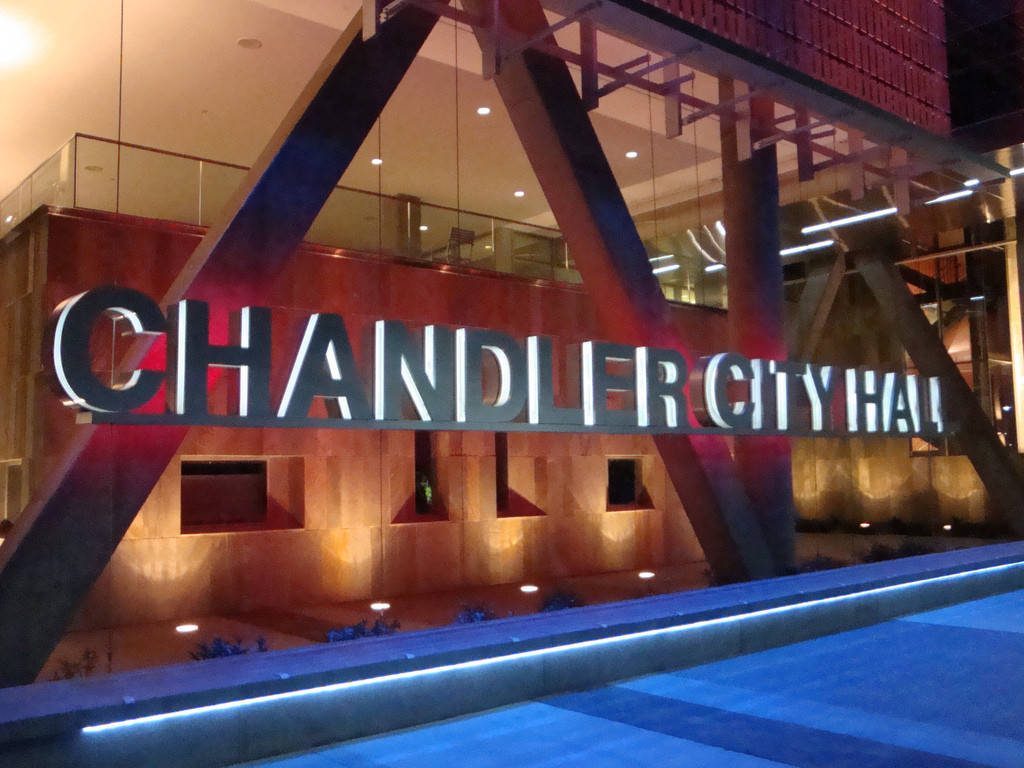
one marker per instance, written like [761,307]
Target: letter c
[72,362]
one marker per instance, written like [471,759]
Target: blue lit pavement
[935,689]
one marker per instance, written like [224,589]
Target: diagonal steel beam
[815,305]
[997,469]
[66,535]
[566,155]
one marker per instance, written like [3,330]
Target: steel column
[756,306]
[998,470]
[569,162]
[67,534]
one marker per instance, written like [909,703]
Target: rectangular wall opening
[623,482]
[425,478]
[501,472]
[223,496]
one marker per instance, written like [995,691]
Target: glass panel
[159,186]
[216,185]
[95,174]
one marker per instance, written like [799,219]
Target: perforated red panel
[890,53]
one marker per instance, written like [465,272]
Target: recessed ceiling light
[249,43]
[483,110]
[528,588]
[865,525]
[632,154]
[646,574]
[9,219]
[379,606]
[519,193]
[17,41]
[947,527]
[424,227]
[184,629]
[94,168]
[376,161]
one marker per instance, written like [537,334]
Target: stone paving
[937,689]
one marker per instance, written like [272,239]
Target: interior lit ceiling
[188,87]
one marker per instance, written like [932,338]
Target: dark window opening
[426,480]
[622,482]
[501,471]
[223,495]
[13,501]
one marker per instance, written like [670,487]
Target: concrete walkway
[938,689]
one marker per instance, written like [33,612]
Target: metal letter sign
[473,379]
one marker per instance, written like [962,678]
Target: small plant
[561,599]
[880,552]
[816,525]
[985,530]
[218,648]
[471,614]
[69,669]
[356,631]
[820,563]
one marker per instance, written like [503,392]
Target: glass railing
[51,183]
[90,172]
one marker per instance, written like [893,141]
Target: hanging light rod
[847,221]
[951,196]
[808,247]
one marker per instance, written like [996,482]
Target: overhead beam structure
[656,29]
[555,130]
[68,532]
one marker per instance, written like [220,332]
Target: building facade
[695,176]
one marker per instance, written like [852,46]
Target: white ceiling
[188,87]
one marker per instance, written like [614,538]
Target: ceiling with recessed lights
[214,79]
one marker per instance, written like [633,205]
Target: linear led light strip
[951,196]
[848,220]
[512,657]
[808,247]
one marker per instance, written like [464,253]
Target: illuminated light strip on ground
[512,657]
[669,268]
[951,196]
[1016,171]
[714,267]
[848,220]
[809,247]
[662,258]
